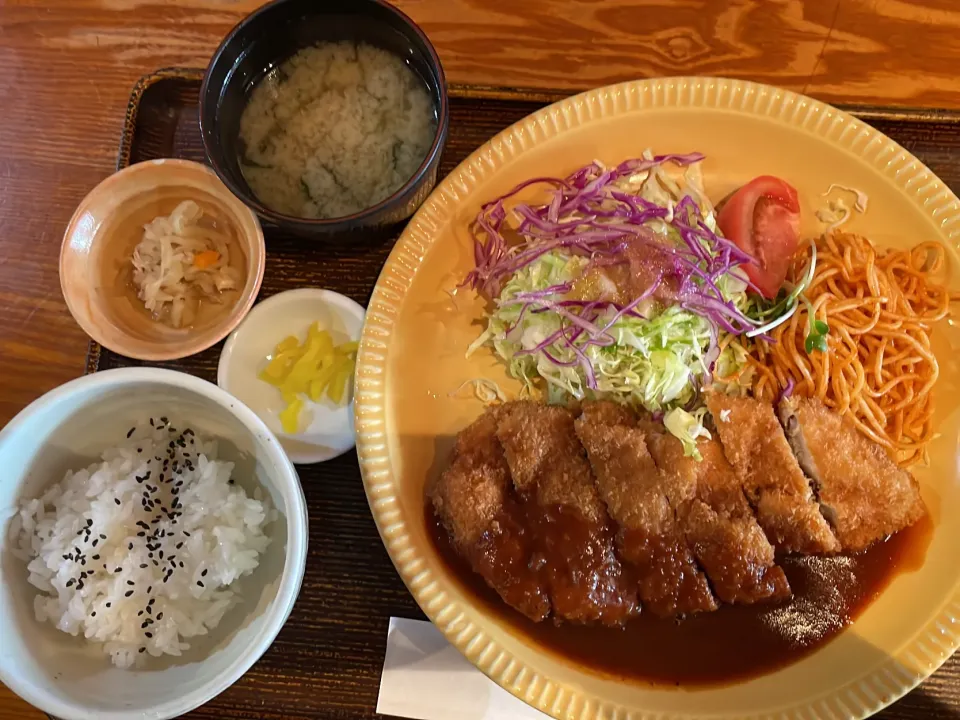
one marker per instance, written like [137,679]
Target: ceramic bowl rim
[213,150]
[294,564]
[160,351]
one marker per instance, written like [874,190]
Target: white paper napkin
[426,678]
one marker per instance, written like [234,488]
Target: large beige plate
[412,357]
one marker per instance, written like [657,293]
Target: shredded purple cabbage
[589,215]
[787,391]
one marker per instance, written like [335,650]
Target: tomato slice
[763,219]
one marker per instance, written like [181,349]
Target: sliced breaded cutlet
[862,492]
[650,540]
[472,498]
[575,541]
[780,494]
[718,522]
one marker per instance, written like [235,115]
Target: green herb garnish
[817,338]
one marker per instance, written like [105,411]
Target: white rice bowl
[74,677]
[139,552]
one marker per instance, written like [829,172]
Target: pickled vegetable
[312,369]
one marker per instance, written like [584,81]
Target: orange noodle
[879,367]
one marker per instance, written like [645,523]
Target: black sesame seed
[144,624]
[83,561]
[151,422]
[130,432]
[96,557]
[230,481]
[199,583]
[149,554]
[160,616]
[128,593]
[139,450]
[148,635]
[142,650]
[118,569]
[204,573]
[143,566]
[163,419]
[130,582]
[141,534]
[109,604]
[102,536]
[149,589]
[129,546]
[180,563]
[93,613]
[165,578]
[186,533]
[80,585]
[116,500]
[95,541]
[89,522]
[151,601]
[140,614]
[172,444]
[179,545]
[70,582]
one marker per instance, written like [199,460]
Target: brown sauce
[732,644]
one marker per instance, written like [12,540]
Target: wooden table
[67,67]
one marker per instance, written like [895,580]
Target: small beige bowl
[95,270]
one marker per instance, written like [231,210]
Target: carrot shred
[205,259]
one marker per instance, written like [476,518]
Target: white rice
[139,552]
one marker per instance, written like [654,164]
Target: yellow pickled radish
[322,379]
[338,384]
[290,416]
[288,343]
[312,368]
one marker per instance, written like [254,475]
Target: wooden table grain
[67,67]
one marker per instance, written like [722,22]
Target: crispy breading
[607,412]
[470,492]
[718,522]
[546,459]
[780,494]
[866,496]
[472,500]
[649,539]
[568,519]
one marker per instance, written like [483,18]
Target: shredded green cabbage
[656,363]
[653,364]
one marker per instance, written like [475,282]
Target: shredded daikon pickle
[180,262]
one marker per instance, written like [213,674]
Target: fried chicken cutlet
[650,539]
[862,492]
[772,481]
[473,500]
[585,578]
[718,522]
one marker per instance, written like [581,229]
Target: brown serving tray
[326,662]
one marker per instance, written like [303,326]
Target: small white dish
[330,431]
